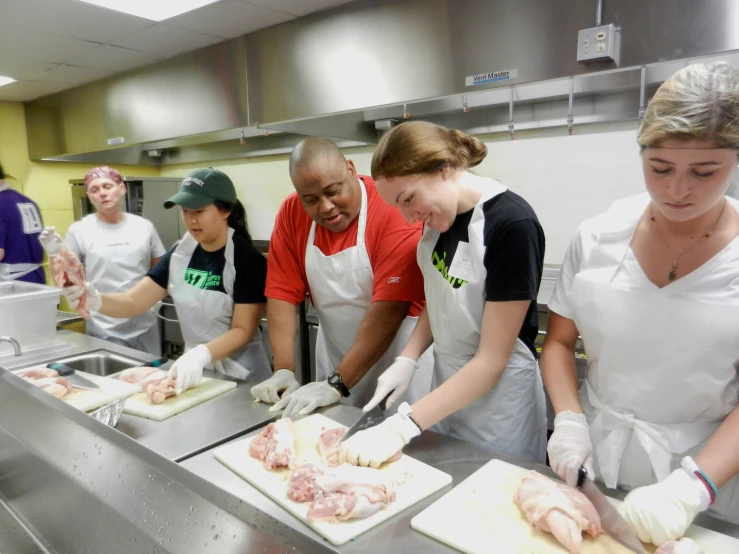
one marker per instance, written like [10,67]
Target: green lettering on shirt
[440,264]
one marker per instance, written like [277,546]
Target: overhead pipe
[642,92]
[510,115]
[570,119]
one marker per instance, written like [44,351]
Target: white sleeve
[560,300]
[74,242]
[155,243]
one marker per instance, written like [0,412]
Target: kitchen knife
[156,363]
[369,419]
[70,375]
[610,520]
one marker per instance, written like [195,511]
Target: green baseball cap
[203,187]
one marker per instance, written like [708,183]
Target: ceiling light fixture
[6,80]
[155,10]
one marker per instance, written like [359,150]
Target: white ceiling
[53,45]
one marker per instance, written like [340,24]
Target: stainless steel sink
[99,362]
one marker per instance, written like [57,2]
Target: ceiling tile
[297,7]
[18,68]
[165,40]
[113,58]
[41,47]
[71,19]
[228,19]
[72,74]
[23,91]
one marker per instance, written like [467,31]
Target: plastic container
[28,314]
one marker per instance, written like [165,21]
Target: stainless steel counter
[216,421]
[457,458]
[65,318]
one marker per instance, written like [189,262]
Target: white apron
[341,291]
[510,417]
[660,376]
[205,315]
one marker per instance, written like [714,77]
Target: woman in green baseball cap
[216,278]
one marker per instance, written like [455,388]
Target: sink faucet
[16,346]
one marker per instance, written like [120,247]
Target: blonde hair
[701,101]
[418,147]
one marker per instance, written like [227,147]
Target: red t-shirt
[391,245]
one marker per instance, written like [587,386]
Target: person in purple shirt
[21,253]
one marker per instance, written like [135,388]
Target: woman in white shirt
[652,286]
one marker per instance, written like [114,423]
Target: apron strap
[609,450]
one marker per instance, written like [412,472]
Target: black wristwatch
[337,382]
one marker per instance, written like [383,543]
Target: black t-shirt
[205,271]
[514,255]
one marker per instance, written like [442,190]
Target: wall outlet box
[596,44]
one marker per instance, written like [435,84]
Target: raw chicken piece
[303,487]
[350,492]
[327,445]
[136,374]
[557,509]
[159,392]
[48,380]
[158,386]
[340,493]
[154,382]
[66,270]
[683,546]
[39,374]
[335,507]
[275,445]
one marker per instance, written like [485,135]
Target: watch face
[334,379]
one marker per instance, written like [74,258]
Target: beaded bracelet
[691,467]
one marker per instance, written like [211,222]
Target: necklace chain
[672,275]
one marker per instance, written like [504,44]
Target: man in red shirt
[338,241]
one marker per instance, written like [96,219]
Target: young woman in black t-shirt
[481,256]
[216,278]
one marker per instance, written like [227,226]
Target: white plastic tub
[28,314]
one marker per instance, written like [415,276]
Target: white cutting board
[208,388]
[87,400]
[420,480]
[485,519]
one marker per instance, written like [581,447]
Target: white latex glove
[377,444]
[569,446]
[282,381]
[395,379]
[74,293]
[663,512]
[307,398]
[51,241]
[187,372]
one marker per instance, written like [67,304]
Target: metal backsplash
[199,92]
[372,53]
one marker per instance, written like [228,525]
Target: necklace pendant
[671,275]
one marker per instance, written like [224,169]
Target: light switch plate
[596,43]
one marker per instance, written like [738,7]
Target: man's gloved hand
[569,446]
[373,446]
[663,512]
[51,241]
[282,381]
[187,372]
[307,398]
[395,379]
[94,300]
